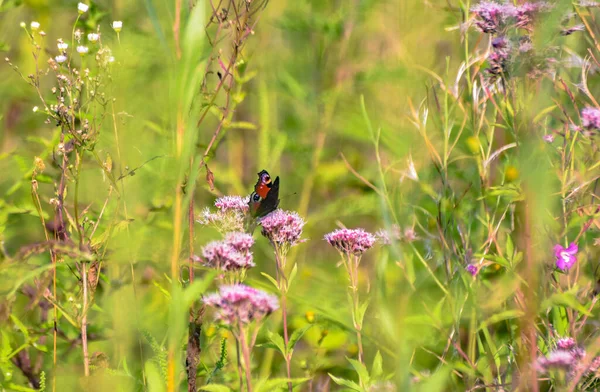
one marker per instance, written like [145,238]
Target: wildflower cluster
[231,214]
[569,358]
[282,228]
[510,28]
[231,254]
[239,303]
[590,118]
[351,241]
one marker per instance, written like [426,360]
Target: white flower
[60,59]
[62,45]
[82,49]
[35,109]
[22,24]
[117,25]
[93,37]
[111,59]
[82,8]
[34,25]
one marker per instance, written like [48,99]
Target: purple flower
[241,242]
[386,237]
[282,227]
[567,356]
[525,12]
[562,359]
[490,16]
[224,256]
[472,269]
[354,241]
[241,303]
[230,215]
[590,118]
[566,343]
[227,203]
[565,257]
[549,138]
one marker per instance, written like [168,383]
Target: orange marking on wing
[262,190]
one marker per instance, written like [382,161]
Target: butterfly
[265,197]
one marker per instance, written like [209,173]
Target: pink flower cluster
[567,356]
[354,241]
[282,227]
[231,254]
[236,203]
[241,303]
[230,215]
[590,118]
[492,16]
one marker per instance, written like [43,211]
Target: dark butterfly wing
[269,203]
[263,185]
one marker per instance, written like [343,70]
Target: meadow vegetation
[430,222]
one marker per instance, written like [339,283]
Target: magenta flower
[566,343]
[567,356]
[472,269]
[241,304]
[241,242]
[282,227]
[549,138]
[354,241]
[230,215]
[224,256]
[565,257]
[590,118]
[525,13]
[561,359]
[227,203]
[490,16]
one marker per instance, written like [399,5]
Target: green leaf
[21,326]
[510,248]
[271,279]
[193,292]
[377,368]
[506,315]
[278,383]
[215,388]
[293,274]
[361,370]
[437,381]
[567,299]
[275,342]
[297,335]
[361,312]
[346,383]
[155,381]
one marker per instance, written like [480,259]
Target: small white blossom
[82,49]
[82,8]
[93,37]
[62,45]
[34,25]
[35,109]
[117,25]
[22,24]
[78,34]
[111,59]
[60,59]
